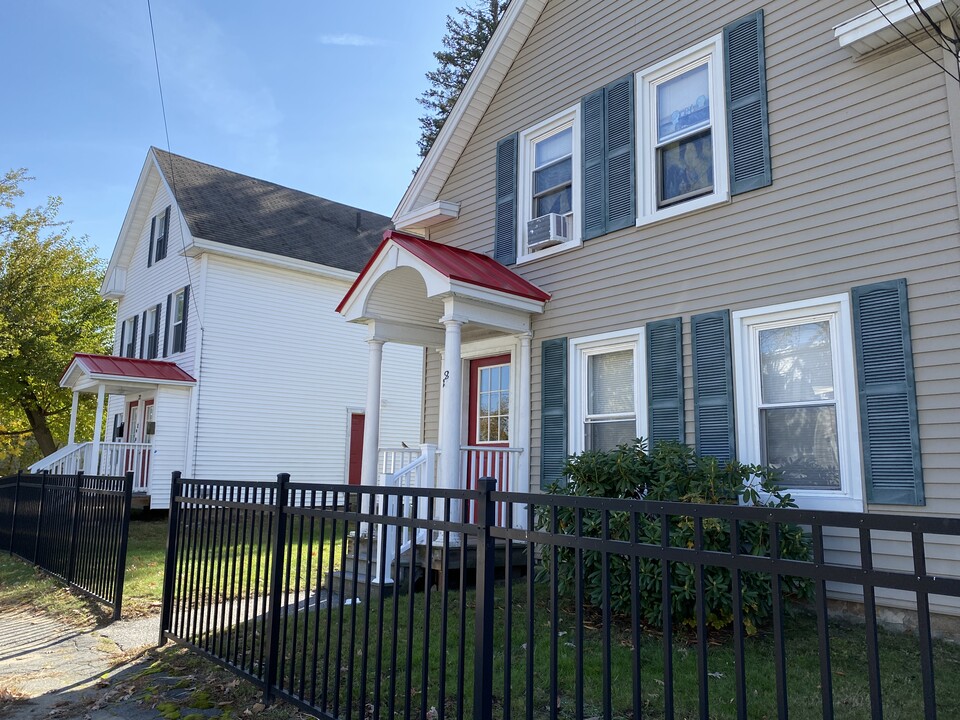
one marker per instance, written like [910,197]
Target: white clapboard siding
[169,449]
[148,286]
[280,370]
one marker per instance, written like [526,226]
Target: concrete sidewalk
[61,669]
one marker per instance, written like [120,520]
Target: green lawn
[397,644]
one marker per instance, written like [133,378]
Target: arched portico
[448,300]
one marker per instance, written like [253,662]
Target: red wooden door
[355,455]
[488,424]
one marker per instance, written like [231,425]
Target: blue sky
[316,95]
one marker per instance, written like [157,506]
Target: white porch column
[371,418]
[451,390]
[522,432]
[73,418]
[94,467]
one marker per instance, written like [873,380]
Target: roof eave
[503,48]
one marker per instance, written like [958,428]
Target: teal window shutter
[665,380]
[609,184]
[591,121]
[621,200]
[505,233]
[553,410]
[745,78]
[713,385]
[887,394]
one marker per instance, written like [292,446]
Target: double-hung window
[549,185]
[605,376]
[682,137]
[159,235]
[178,323]
[796,398]
[152,329]
[128,338]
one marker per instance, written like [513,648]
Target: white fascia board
[198,246]
[496,297]
[511,33]
[881,27]
[428,216]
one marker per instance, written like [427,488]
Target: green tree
[467,36]
[50,307]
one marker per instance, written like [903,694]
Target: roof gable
[451,268]
[508,39]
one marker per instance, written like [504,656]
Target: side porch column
[451,390]
[73,418]
[94,467]
[371,419]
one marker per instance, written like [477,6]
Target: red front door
[355,458]
[488,424]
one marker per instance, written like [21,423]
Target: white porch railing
[502,463]
[409,468]
[418,472]
[68,460]
[116,458]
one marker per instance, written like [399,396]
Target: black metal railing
[74,527]
[276,581]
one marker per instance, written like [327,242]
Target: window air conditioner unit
[546,231]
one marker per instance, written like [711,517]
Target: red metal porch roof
[133,368]
[456,264]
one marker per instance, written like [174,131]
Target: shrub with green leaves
[672,472]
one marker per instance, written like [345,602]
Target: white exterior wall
[148,286]
[170,442]
[280,371]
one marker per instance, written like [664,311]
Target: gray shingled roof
[234,209]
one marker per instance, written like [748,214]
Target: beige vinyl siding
[864,190]
[281,370]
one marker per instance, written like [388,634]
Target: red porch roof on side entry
[457,264]
[133,368]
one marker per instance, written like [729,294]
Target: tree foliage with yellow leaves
[50,308]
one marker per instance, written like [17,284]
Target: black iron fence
[561,612]
[74,527]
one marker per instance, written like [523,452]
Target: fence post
[36,538]
[124,537]
[276,587]
[483,618]
[75,528]
[169,563]
[16,502]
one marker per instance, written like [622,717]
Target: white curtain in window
[610,383]
[796,364]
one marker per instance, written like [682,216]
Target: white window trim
[746,323]
[178,297]
[647,80]
[580,349]
[525,163]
